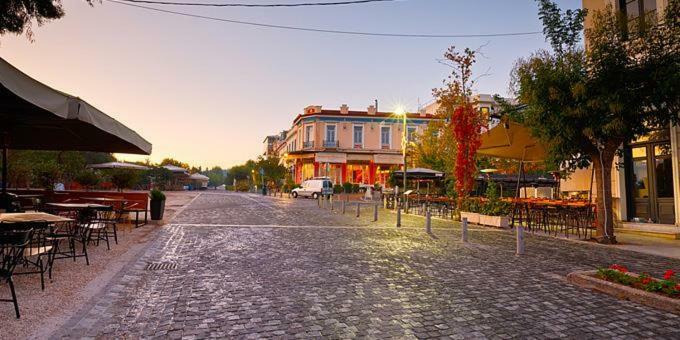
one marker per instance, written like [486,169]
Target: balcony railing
[308,145]
[385,146]
[330,144]
[358,146]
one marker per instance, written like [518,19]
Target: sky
[208,92]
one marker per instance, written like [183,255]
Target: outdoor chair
[136,208]
[12,245]
[39,250]
[103,225]
[70,233]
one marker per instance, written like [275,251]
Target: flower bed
[642,288]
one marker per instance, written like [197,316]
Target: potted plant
[157,198]
[470,209]
[495,213]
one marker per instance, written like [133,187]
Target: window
[330,133]
[385,137]
[640,13]
[309,133]
[411,130]
[358,134]
[330,141]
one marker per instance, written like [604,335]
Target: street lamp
[400,111]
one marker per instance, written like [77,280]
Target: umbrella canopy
[118,165]
[176,169]
[34,116]
[420,173]
[513,141]
[37,117]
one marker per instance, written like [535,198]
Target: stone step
[667,231]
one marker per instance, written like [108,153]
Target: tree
[123,178]
[274,172]
[585,104]
[172,161]
[456,102]
[17,16]
[216,175]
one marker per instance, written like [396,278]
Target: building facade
[360,147]
[646,182]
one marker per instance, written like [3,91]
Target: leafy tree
[160,176]
[585,104]
[172,161]
[88,178]
[123,178]
[216,175]
[17,16]
[465,123]
[274,172]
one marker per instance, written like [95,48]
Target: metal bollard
[428,222]
[343,206]
[465,235]
[320,201]
[330,199]
[406,206]
[385,202]
[375,212]
[358,209]
[520,240]
[398,217]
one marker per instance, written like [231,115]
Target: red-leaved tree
[458,107]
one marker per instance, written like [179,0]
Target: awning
[199,177]
[419,173]
[34,116]
[330,157]
[388,159]
[118,165]
[37,117]
[177,170]
[513,141]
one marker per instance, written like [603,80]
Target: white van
[314,188]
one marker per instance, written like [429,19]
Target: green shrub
[496,208]
[337,189]
[156,195]
[355,188]
[471,204]
[87,178]
[377,187]
[347,187]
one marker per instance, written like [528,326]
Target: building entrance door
[649,180]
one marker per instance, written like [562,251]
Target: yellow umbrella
[513,141]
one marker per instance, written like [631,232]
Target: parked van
[314,188]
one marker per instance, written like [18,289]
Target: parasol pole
[592,179]
[5,145]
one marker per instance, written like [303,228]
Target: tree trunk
[604,202]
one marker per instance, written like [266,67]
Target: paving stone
[256,267]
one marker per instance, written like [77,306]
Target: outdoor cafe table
[77,206]
[32,217]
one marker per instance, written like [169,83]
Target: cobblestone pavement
[260,267]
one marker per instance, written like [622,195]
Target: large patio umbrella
[420,173]
[512,140]
[118,165]
[34,116]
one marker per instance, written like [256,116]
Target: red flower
[646,280]
[619,268]
[668,274]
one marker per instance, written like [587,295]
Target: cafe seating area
[35,237]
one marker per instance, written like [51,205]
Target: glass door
[649,179]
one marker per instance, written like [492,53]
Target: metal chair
[12,245]
[104,225]
[39,250]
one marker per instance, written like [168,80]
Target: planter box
[471,217]
[494,221]
[157,210]
[588,279]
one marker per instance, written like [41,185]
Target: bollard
[398,217]
[319,201]
[428,222]
[375,212]
[343,206]
[358,209]
[330,199]
[520,240]
[406,206]
[465,235]
[385,202]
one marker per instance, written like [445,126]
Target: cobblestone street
[246,266]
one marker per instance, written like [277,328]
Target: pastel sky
[207,92]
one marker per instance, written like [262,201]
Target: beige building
[359,147]
[646,185]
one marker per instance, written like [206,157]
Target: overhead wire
[299,4]
[321,30]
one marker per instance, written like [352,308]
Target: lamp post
[404,140]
